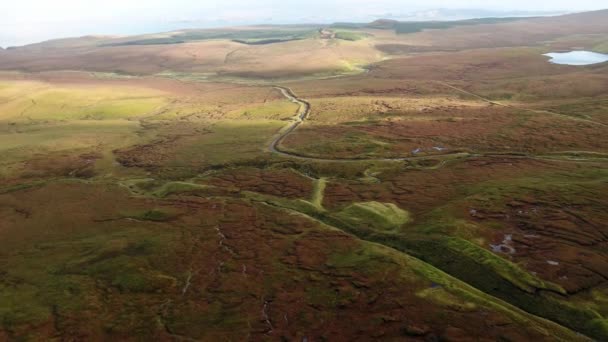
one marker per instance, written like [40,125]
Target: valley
[376,181]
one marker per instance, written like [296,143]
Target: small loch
[577,57]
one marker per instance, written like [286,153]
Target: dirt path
[302,115]
[540,111]
[299,118]
[304,112]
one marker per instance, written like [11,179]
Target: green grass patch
[21,187]
[350,144]
[231,141]
[351,35]
[413,27]
[366,258]
[299,205]
[64,274]
[383,216]
[441,288]
[265,41]
[82,104]
[254,37]
[508,270]
[468,262]
[318,192]
[22,305]
[274,110]
[41,137]
[599,327]
[443,297]
[601,47]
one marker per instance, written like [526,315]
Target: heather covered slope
[524,32]
[456,195]
[221,268]
[282,52]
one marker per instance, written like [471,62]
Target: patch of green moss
[351,35]
[441,296]
[20,187]
[485,277]
[318,193]
[299,205]
[383,216]
[21,305]
[366,258]
[599,327]
[443,288]
[510,271]
[441,222]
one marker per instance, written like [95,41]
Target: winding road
[301,116]
[305,109]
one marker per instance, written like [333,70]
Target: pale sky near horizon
[29,21]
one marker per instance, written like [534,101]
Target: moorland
[392,181]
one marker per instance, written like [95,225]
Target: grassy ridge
[405,27]
[413,27]
[466,261]
[40,101]
[251,37]
[351,35]
[601,48]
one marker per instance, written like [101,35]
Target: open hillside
[295,51]
[438,181]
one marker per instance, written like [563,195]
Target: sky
[29,21]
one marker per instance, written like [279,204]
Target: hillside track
[305,109]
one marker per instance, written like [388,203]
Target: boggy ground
[220,268]
[145,208]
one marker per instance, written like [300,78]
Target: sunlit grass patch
[441,296]
[189,111]
[230,141]
[351,35]
[275,110]
[59,136]
[336,142]
[382,107]
[65,106]
[40,101]
[384,216]
[21,142]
